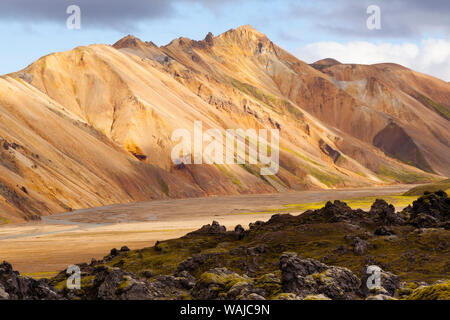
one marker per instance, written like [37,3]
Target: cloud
[399,18]
[431,56]
[345,18]
[113,14]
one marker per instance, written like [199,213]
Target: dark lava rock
[214,228]
[255,225]
[360,246]
[124,249]
[304,277]
[384,214]
[15,287]
[336,211]
[194,262]
[239,231]
[221,283]
[384,231]
[430,211]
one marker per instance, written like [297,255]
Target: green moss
[329,179]
[316,297]
[229,175]
[301,156]
[254,171]
[270,284]
[60,286]
[281,106]
[355,203]
[122,286]
[402,176]
[439,291]
[185,296]
[40,275]
[164,186]
[319,277]
[5,220]
[439,108]
[433,187]
[256,93]
[284,296]
[291,109]
[222,283]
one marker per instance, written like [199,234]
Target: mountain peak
[132,42]
[247,27]
[128,41]
[247,30]
[327,62]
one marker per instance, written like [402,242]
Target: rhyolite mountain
[92,126]
[285,258]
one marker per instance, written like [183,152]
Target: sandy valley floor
[41,248]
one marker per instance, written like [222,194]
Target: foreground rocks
[307,277]
[15,287]
[430,211]
[319,255]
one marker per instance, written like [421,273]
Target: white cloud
[432,56]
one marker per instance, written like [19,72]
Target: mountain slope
[100,120]
[407,97]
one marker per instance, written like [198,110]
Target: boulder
[15,287]
[214,228]
[384,231]
[383,214]
[221,283]
[305,277]
[430,211]
[336,211]
[239,231]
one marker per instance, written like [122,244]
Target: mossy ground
[432,187]
[402,176]
[397,200]
[40,275]
[4,220]
[411,255]
[439,291]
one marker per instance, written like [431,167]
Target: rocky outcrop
[430,211]
[304,277]
[221,283]
[383,214]
[15,287]
[336,211]
[314,256]
[214,228]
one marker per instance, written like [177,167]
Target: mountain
[93,126]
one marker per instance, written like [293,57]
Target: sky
[414,33]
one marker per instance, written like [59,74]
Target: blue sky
[412,34]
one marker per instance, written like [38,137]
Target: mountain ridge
[131,96]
